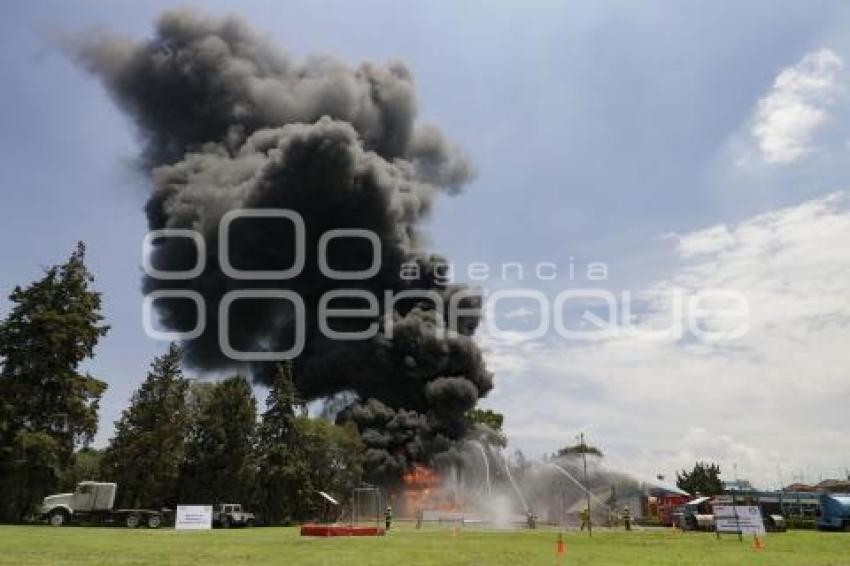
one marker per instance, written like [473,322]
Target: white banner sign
[745,519]
[193,517]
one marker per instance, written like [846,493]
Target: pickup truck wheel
[132,521]
[57,518]
[154,521]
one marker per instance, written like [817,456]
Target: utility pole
[734,505]
[586,489]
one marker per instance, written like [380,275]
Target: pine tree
[47,406]
[283,484]
[219,464]
[703,479]
[145,454]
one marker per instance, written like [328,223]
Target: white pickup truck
[92,502]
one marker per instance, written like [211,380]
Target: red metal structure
[312,530]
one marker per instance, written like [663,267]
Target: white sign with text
[745,519]
[193,517]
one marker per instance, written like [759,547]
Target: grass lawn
[47,546]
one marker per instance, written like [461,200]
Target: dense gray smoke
[228,121]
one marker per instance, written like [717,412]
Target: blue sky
[657,137]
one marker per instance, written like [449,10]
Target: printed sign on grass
[193,517]
[745,519]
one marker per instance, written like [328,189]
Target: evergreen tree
[283,484]
[47,406]
[703,479]
[144,456]
[219,466]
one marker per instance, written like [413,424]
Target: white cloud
[705,241]
[788,116]
[775,398]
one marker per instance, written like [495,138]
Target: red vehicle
[664,506]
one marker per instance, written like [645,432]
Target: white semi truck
[92,502]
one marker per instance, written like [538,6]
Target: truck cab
[94,502]
[227,515]
[89,496]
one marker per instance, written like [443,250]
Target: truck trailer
[93,502]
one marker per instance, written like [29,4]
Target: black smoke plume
[228,121]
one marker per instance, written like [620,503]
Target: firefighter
[531,520]
[627,518]
[585,519]
[388,517]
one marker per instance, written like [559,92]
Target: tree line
[179,440]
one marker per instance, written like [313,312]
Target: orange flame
[421,477]
[422,491]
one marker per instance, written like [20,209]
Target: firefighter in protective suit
[388,517]
[585,519]
[627,518]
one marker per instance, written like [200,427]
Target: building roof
[799,487]
[834,486]
[659,487]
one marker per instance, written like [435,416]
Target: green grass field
[47,546]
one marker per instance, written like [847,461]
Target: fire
[421,477]
[422,491]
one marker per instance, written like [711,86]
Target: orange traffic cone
[560,546]
[758,544]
